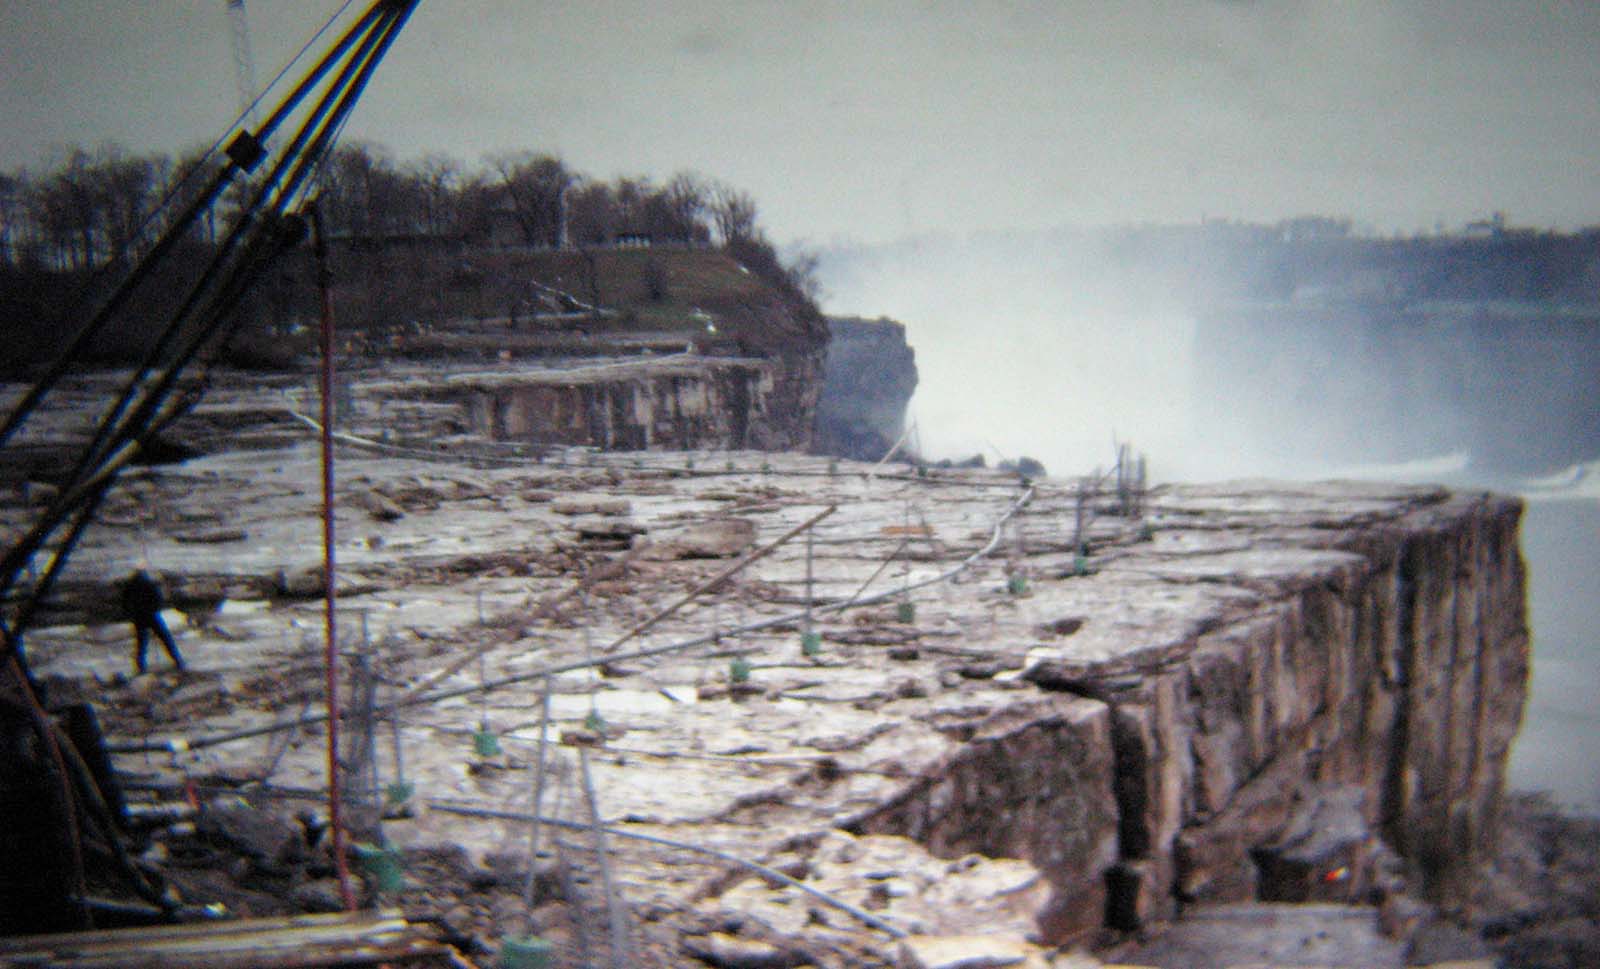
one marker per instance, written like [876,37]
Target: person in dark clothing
[141,604]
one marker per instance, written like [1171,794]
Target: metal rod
[339,95]
[893,450]
[329,590]
[569,888]
[1077,517]
[367,685]
[810,576]
[538,795]
[547,607]
[905,564]
[399,757]
[786,619]
[725,574]
[619,937]
[483,705]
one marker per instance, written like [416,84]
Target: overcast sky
[870,120]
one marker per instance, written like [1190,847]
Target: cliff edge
[989,723]
[869,375]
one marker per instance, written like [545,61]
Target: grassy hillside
[532,293]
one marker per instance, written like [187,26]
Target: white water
[1578,482]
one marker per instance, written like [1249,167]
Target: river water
[1558,749]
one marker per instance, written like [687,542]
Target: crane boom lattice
[244,65]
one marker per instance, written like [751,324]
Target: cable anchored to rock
[786,619]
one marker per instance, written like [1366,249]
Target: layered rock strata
[1371,691]
[681,402]
[869,376]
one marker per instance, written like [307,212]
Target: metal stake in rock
[614,909]
[538,796]
[810,642]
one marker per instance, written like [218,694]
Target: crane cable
[239,161]
[264,230]
[252,244]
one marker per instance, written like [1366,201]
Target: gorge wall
[1354,701]
[784,395]
[869,375]
[685,403]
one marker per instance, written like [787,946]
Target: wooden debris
[343,939]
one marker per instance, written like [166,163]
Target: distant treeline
[99,209]
[1321,260]
[89,208]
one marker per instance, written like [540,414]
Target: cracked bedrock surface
[1109,737]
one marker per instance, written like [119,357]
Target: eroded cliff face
[868,378]
[788,411]
[691,404]
[1339,692]
[684,402]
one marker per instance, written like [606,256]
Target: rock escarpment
[1373,694]
[1336,692]
[686,402]
[868,378]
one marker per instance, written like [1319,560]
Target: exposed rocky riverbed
[1022,720]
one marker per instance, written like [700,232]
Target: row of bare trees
[530,199]
[410,228]
[517,198]
[88,208]
[85,211]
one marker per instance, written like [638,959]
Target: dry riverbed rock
[1044,763]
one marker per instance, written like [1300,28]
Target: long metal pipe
[329,588]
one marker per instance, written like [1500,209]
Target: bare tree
[12,215]
[687,200]
[476,200]
[125,188]
[63,207]
[437,177]
[800,265]
[632,198]
[346,178]
[591,214]
[183,181]
[367,195]
[734,212]
[534,186]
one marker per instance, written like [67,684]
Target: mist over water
[1049,345]
[1559,746]
[1028,347]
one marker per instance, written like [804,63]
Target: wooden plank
[294,942]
